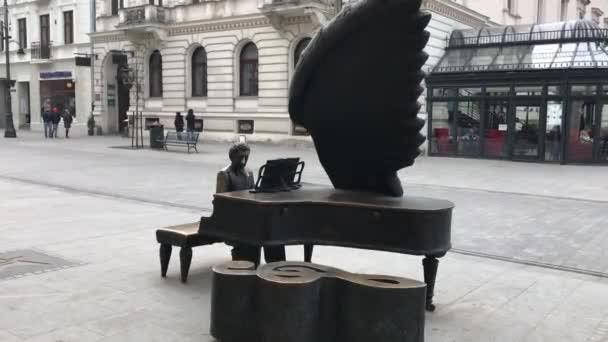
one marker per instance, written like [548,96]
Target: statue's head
[239,155]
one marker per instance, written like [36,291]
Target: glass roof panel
[564,56]
[453,60]
[484,57]
[525,57]
[572,44]
[512,55]
[518,34]
[542,55]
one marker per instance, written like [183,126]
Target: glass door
[603,135]
[496,129]
[581,120]
[553,131]
[526,131]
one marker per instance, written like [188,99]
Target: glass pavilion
[529,92]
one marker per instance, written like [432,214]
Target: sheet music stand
[280,175]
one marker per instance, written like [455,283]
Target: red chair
[578,150]
[494,142]
[444,144]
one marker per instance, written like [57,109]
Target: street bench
[185,236]
[189,139]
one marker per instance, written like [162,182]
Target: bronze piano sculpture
[321,215]
[357,95]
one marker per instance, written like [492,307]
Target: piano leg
[430,264]
[165,256]
[246,253]
[274,254]
[185,259]
[308,252]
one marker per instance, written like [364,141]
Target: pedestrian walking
[179,122]
[67,122]
[190,118]
[46,120]
[55,119]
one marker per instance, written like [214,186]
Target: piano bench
[185,236]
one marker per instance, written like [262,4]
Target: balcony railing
[262,3]
[41,50]
[146,14]
[529,38]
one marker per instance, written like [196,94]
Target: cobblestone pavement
[97,207]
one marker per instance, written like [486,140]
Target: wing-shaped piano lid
[276,175]
[355,89]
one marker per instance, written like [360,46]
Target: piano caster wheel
[430,307]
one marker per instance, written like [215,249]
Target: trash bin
[125,128]
[157,135]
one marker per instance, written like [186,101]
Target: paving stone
[24,262]
[69,334]
[8,337]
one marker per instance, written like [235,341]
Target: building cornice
[234,23]
[108,36]
[231,24]
[457,12]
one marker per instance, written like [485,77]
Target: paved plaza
[529,261]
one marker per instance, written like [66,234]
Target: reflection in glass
[444,92]
[553,90]
[528,90]
[603,149]
[498,91]
[469,91]
[583,89]
[511,56]
[468,128]
[495,143]
[442,137]
[527,124]
[580,136]
[483,57]
[553,133]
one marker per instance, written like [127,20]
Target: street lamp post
[9,129]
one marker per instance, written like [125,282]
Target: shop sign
[83,61]
[55,74]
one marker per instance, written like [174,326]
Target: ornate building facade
[231,61]
[45,39]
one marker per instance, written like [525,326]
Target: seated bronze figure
[234,177]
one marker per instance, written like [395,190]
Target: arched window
[156,74]
[199,72]
[249,70]
[302,44]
